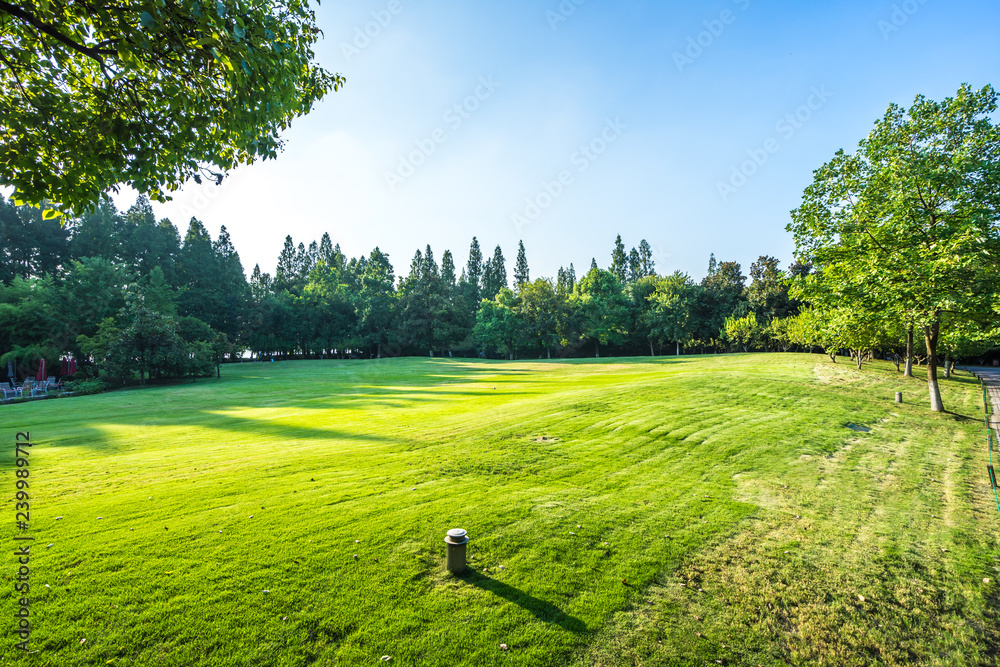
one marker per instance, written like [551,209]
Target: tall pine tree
[448,269]
[430,269]
[619,261]
[646,263]
[474,268]
[231,285]
[376,301]
[199,271]
[495,275]
[521,267]
[284,275]
[634,266]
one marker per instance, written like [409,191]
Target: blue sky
[693,125]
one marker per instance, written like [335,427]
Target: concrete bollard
[899,397]
[456,541]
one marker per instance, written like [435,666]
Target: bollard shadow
[542,610]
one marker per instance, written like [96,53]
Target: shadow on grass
[963,418]
[375,385]
[542,610]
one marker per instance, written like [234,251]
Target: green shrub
[87,386]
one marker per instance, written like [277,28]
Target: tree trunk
[379,351]
[218,371]
[432,354]
[548,352]
[652,353]
[931,333]
[678,348]
[511,356]
[597,348]
[947,368]
[909,353]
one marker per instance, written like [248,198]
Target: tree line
[126,294]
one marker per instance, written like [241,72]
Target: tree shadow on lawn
[150,406]
[542,610]
[86,429]
[963,418]
[416,394]
[216,413]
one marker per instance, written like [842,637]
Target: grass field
[742,510]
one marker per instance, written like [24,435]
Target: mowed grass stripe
[594,483]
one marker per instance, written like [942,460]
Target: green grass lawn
[627,511]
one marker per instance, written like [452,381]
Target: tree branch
[17,78]
[50,30]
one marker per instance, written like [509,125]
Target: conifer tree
[448,269]
[326,252]
[260,284]
[634,266]
[430,269]
[474,272]
[619,261]
[565,280]
[416,266]
[521,266]
[302,267]
[495,275]
[312,257]
[648,267]
[284,275]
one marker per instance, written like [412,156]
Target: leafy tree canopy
[148,93]
[906,227]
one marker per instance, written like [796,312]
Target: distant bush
[86,386]
[86,372]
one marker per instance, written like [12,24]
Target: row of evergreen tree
[62,282]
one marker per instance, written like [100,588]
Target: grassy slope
[779,517]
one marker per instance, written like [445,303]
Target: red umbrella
[72,367]
[63,366]
[41,376]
